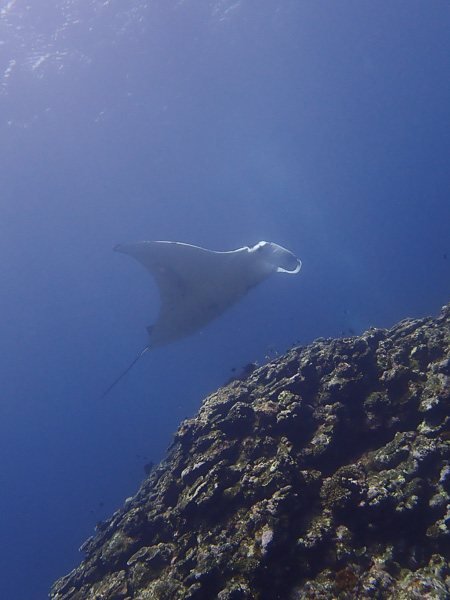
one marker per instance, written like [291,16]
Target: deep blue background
[322,126]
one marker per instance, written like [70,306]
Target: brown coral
[324,474]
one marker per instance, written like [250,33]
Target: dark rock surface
[324,475]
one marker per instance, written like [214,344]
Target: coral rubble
[323,475]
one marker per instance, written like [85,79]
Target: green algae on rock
[324,474]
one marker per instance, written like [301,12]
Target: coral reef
[323,475]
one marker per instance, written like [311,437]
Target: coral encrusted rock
[323,475]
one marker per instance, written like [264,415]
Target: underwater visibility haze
[319,126]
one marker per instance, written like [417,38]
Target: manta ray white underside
[197,285]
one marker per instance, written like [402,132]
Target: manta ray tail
[124,372]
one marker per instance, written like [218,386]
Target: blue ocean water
[321,126]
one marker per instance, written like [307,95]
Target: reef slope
[325,474]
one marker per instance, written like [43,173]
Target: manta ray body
[197,285]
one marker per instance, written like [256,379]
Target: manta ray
[197,285]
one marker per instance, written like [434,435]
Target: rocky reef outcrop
[323,475]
